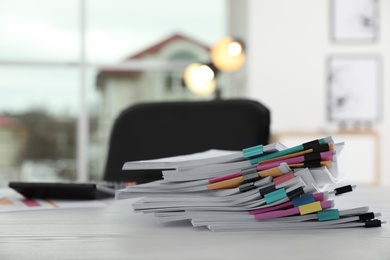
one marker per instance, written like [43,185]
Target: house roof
[155,48]
[158,46]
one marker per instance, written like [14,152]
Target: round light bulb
[204,73]
[227,54]
[200,79]
[234,49]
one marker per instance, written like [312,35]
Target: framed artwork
[354,20]
[354,89]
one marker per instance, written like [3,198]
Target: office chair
[163,129]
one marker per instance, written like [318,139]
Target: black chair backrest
[163,129]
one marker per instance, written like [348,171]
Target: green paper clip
[253,151]
[329,214]
[275,195]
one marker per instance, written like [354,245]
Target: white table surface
[116,232]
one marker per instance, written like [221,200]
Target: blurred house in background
[153,74]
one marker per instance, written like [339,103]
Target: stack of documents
[266,187]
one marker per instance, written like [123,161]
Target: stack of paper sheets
[266,187]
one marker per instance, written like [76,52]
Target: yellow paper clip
[310,208]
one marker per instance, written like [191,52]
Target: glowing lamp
[200,79]
[228,54]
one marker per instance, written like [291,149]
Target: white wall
[288,45]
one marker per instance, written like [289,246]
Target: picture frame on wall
[354,89]
[354,20]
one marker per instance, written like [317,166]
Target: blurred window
[68,67]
